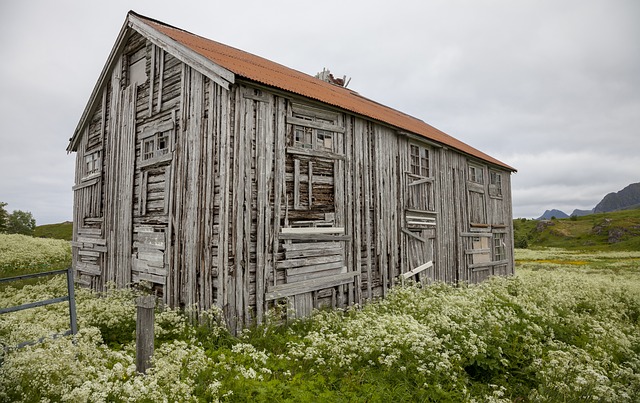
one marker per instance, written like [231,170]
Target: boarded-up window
[138,67]
[477,208]
[481,251]
[495,184]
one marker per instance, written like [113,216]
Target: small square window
[419,160]
[93,163]
[162,142]
[302,137]
[156,145]
[325,140]
[475,174]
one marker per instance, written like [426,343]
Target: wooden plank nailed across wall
[417,270]
[301,287]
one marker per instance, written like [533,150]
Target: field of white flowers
[25,253]
[565,328]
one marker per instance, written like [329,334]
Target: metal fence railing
[73,325]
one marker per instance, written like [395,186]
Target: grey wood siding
[245,197]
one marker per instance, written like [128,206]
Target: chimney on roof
[325,75]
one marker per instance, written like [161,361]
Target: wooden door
[418,228]
[311,267]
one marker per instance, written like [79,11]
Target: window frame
[473,174]
[314,134]
[96,164]
[420,162]
[495,186]
[498,246]
[152,135]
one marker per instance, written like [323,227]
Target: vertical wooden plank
[296,184]
[369,192]
[279,182]
[224,175]
[152,77]
[310,184]
[235,315]
[249,136]
[269,138]
[160,79]
[353,288]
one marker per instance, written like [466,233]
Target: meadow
[565,328]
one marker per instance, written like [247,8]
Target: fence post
[72,302]
[144,332]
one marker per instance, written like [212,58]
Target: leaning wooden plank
[309,261]
[291,278]
[287,290]
[417,269]
[413,235]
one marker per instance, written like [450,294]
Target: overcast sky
[550,87]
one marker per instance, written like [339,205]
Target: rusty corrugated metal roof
[266,72]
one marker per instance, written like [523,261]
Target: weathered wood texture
[246,197]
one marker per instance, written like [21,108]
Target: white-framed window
[156,142]
[499,247]
[495,184]
[476,174]
[93,163]
[312,138]
[419,160]
[156,145]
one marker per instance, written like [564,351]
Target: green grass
[617,231]
[62,230]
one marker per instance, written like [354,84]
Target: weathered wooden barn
[222,178]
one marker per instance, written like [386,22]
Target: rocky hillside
[619,230]
[627,197]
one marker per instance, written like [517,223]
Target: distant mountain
[552,213]
[625,198]
[580,213]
